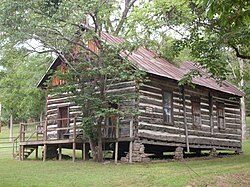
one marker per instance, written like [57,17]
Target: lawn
[231,170]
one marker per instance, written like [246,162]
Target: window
[196,110]
[221,115]
[167,107]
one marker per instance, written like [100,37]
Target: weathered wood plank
[153,115]
[151,94]
[181,131]
[147,100]
[192,139]
[230,128]
[152,142]
[119,85]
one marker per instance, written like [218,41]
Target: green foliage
[187,79]
[19,75]
[91,81]
[208,30]
[55,24]
[247,101]
[153,24]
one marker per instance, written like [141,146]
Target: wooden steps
[27,152]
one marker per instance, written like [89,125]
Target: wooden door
[63,113]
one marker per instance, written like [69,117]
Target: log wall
[122,88]
[153,130]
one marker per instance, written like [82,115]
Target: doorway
[63,116]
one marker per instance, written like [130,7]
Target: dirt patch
[230,180]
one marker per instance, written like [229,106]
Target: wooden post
[13,149]
[83,151]
[131,142]
[20,132]
[60,151]
[21,139]
[45,139]
[36,132]
[37,152]
[116,151]
[211,112]
[74,152]
[11,128]
[37,140]
[44,152]
[185,118]
[45,130]
[24,132]
[116,143]
[22,152]
[74,141]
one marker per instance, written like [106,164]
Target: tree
[94,73]
[19,75]
[208,29]
[231,20]
[56,25]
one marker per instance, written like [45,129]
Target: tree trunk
[243,118]
[242,102]
[92,144]
[99,148]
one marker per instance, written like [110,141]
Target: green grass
[248,124]
[229,170]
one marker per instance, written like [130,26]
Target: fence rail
[6,147]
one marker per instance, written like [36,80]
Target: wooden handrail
[14,146]
[31,136]
[28,131]
[17,138]
[42,122]
[45,129]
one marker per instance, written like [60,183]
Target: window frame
[196,104]
[171,107]
[220,106]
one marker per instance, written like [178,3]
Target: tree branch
[238,53]
[128,5]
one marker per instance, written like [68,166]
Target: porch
[55,137]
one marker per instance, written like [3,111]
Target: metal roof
[150,62]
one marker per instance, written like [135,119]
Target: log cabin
[204,117]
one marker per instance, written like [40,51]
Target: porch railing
[40,131]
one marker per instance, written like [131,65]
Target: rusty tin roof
[150,62]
